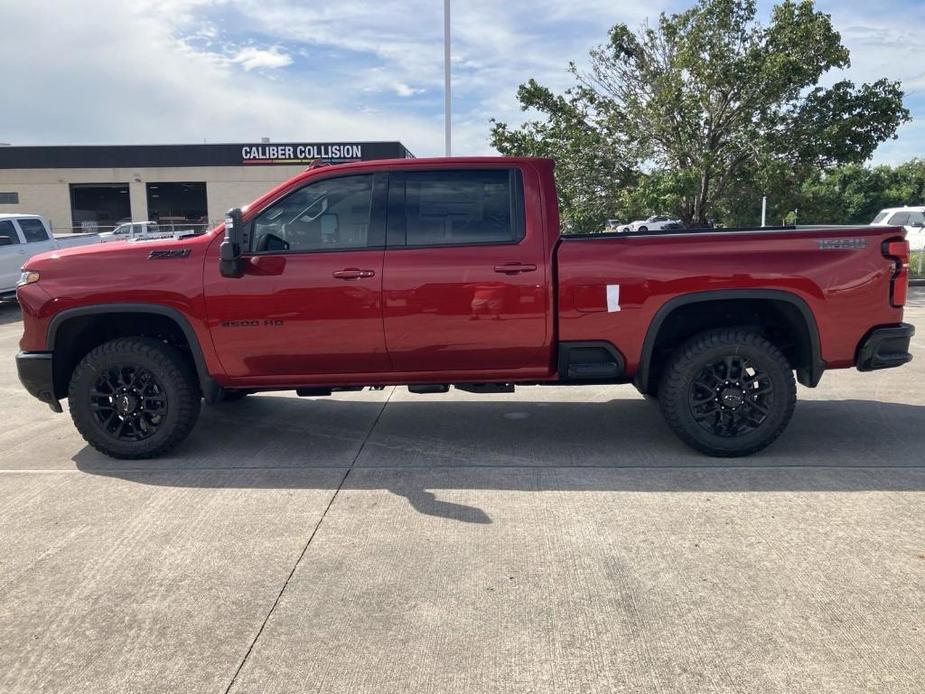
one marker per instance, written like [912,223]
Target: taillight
[897,250]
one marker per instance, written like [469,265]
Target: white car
[653,223]
[134,231]
[23,236]
[912,218]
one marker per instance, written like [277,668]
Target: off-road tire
[689,362]
[173,373]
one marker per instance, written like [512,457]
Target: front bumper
[885,348]
[36,373]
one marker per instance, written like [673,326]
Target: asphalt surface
[555,540]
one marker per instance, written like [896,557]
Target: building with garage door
[94,188]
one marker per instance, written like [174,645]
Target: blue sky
[155,71]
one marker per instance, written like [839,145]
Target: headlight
[27,277]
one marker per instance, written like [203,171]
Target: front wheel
[643,229]
[728,392]
[134,398]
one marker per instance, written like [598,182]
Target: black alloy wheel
[128,402]
[731,397]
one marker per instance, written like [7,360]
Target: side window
[7,230]
[463,207]
[33,230]
[899,219]
[333,214]
[916,218]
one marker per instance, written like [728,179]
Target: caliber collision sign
[299,154]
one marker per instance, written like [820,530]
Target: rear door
[12,255]
[465,275]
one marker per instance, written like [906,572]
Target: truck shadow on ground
[418,447]
[9,312]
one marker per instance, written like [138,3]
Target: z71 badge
[842,244]
[169,253]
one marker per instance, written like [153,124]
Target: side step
[596,360]
[428,388]
[485,387]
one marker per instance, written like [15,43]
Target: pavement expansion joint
[307,544]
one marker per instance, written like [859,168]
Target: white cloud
[403,89]
[252,58]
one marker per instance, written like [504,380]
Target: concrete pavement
[555,540]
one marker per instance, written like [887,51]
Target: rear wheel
[728,392]
[643,229]
[134,398]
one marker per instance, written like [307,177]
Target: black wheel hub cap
[128,403]
[731,397]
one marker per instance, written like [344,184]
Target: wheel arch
[667,328]
[76,326]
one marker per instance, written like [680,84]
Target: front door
[464,283]
[310,301]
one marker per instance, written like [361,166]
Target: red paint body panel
[847,289]
[444,314]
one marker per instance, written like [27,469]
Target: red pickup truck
[439,272]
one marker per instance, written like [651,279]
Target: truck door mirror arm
[236,238]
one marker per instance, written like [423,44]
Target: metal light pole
[447,116]
[764,210]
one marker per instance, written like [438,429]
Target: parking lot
[554,540]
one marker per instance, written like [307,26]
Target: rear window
[880,217]
[33,230]
[460,208]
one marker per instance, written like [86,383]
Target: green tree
[686,116]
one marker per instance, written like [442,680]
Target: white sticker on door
[613,298]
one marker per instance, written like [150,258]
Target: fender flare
[809,376]
[211,391]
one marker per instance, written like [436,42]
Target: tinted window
[9,231]
[33,230]
[459,208]
[899,219]
[327,215]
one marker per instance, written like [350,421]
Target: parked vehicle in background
[654,223]
[912,219]
[434,273]
[131,231]
[25,235]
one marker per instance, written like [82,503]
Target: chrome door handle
[353,273]
[514,268]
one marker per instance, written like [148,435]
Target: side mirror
[236,238]
[917,225]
